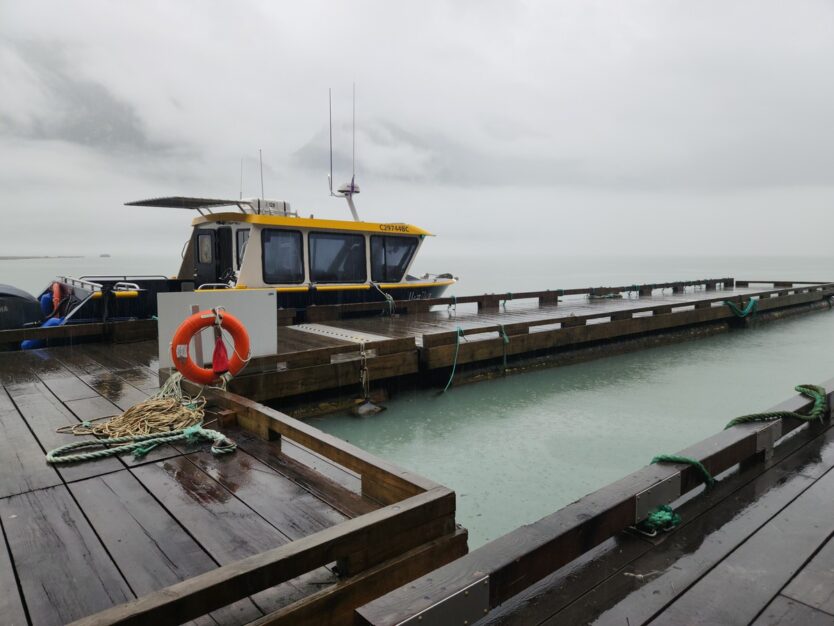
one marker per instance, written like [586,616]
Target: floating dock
[326,351]
[755,548]
[294,527]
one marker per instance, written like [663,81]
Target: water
[518,448]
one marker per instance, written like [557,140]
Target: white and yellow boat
[307,261]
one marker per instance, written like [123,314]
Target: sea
[517,448]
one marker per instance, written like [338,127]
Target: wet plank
[68,387]
[151,549]
[11,604]
[291,509]
[714,524]
[226,527]
[24,468]
[95,408]
[761,566]
[44,413]
[52,544]
[116,389]
[814,585]
[786,612]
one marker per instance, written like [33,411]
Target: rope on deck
[168,416]
[818,411]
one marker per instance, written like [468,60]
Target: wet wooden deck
[83,538]
[758,548]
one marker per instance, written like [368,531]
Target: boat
[247,244]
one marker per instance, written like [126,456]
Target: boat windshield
[390,257]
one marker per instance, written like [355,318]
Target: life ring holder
[181,346]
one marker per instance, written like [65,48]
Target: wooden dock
[324,351]
[756,548]
[295,527]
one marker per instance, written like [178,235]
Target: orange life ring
[181,346]
[57,297]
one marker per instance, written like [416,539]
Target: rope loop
[750,309]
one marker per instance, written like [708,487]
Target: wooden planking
[761,566]
[784,611]
[381,480]
[24,468]
[90,409]
[11,602]
[814,585]
[44,413]
[335,606]
[714,524]
[334,493]
[52,544]
[266,569]
[151,549]
[68,387]
[291,509]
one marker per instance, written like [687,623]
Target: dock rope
[453,305]
[504,344]
[664,518]
[817,412]
[750,309]
[458,336]
[140,445]
[168,416]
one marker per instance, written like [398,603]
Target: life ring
[181,346]
[57,297]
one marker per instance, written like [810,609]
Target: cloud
[66,107]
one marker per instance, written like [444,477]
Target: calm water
[518,448]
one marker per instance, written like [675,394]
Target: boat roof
[185,202]
[390,228]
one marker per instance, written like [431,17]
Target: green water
[518,448]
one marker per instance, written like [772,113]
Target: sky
[583,127]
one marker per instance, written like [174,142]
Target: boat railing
[82,283]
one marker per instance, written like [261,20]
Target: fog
[582,127]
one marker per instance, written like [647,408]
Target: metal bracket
[767,437]
[344,357]
[462,608]
[664,492]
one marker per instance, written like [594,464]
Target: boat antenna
[347,190]
[241,179]
[330,115]
[261,159]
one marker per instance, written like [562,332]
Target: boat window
[282,257]
[390,257]
[242,238]
[204,246]
[337,258]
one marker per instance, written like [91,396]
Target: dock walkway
[80,539]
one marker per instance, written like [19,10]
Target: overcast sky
[581,127]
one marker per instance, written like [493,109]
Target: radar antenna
[347,190]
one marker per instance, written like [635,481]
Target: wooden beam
[201,594]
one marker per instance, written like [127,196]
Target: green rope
[458,337]
[818,411]
[662,518]
[750,309]
[139,444]
[674,458]
[504,302]
[505,343]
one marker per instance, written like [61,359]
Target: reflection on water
[516,449]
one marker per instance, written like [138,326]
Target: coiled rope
[818,411]
[664,518]
[168,416]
